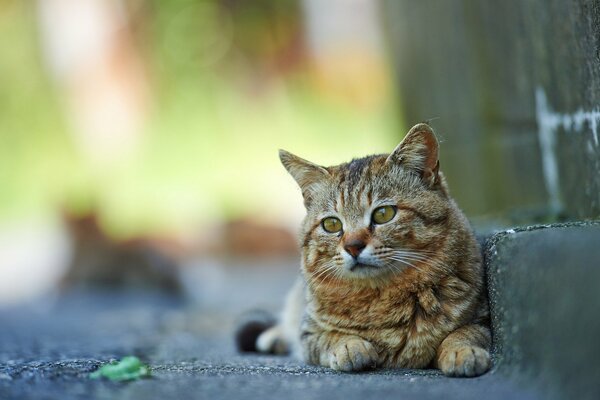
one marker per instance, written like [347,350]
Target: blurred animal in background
[98,260]
[101,261]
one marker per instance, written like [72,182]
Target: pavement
[49,347]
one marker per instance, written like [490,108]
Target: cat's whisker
[334,275]
[405,262]
[408,252]
[407,256]
[412,259]
[324,272]
[393,265]
[416,256]
[329,270]
[429,262]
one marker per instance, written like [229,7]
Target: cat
[101,261]
[391,272]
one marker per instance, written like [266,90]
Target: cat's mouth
[362,269]
[363,266]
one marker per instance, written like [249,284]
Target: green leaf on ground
[129,368]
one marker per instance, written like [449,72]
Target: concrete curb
[544,283]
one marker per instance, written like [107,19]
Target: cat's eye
[383,214]
[332,224]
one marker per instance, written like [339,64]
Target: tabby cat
[391,272]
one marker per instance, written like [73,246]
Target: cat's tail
[258,331]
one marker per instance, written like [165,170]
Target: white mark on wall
[549,122]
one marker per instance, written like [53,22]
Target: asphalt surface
[48,349]
[543,296]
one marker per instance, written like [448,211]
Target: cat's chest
[379,310]
[406,328]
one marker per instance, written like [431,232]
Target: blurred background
[138,138]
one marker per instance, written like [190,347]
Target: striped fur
[414,297]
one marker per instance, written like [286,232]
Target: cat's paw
[353,354]
[464,361]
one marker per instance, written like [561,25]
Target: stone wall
[513,90]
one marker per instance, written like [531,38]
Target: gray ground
[47,351]
[543,286]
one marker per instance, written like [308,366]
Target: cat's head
[376,215]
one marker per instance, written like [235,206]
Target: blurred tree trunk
[346,49]
[89,50]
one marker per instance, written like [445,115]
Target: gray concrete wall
[513,88]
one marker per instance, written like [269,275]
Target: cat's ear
[418,152]
[308,175]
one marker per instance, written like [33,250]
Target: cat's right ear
[308,175]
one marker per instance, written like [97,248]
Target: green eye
[332,225]
[384,214]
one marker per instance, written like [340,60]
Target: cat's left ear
[419,152]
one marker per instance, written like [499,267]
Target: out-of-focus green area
[226,85]
[37,161]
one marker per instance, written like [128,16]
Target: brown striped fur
[414,297]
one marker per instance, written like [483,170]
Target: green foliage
[35,152]
[220,110]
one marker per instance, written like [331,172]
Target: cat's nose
[354,247]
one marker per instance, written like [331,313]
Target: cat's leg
[338,351]
[464,352]
[284,337]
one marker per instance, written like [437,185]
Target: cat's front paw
[353,354]
[464,361]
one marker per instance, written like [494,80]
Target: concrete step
[544,286]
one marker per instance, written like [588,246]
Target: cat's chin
[359,266]
[369,271]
